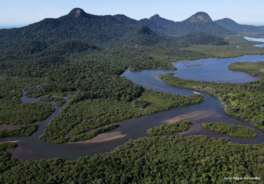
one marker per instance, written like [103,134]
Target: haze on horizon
[20,13]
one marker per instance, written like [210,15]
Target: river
[211,69]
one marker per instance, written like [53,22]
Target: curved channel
[31,148]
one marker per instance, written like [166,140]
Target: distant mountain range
[98,30]
[234,26]
[199,22]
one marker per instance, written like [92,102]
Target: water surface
[255,40]
[215,69]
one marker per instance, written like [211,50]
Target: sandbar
[195,115]
[102,138]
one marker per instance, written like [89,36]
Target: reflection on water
[215,69]
[255,40]
[259,45]
[208,111]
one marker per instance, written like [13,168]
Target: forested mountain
[199,22]
[143,22]
[200,39]
[169,24]
[76,25]
[234,26]
[99,30]
[142,36]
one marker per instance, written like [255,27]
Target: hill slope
[76,25]
[200,39]
[142,35]
[98,30]
[144,22]
[234,26]
[199,22]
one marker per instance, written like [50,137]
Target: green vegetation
[254,69]
[16,113]
[96,74]
[25,130]
[71,64]
[141,103]
[95,29]
[177,159]
[93,133]
[232,130]
[142,36]
[176,127]
[199,22]
[85,54]
[227,50]
[200,39]
[90,114]
[6,162]
[243,100]
[12,111]
[49,98]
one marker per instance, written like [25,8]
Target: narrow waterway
[208,111]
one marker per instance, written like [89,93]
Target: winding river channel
[211,69]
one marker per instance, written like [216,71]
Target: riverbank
[195,116]
[103,137]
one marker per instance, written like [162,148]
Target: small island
[176,127]
[24,130]
[232,130]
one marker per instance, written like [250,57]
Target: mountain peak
[227,20]
[156,15]
[78,12]
[200,17]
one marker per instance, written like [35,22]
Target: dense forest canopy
[84,55]
[177,159]
[175,127]
[232,130]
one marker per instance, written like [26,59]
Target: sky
[19,13]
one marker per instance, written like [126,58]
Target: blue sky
[18,12]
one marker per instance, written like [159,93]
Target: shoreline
[194,115]
[222,106]
[103,137]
